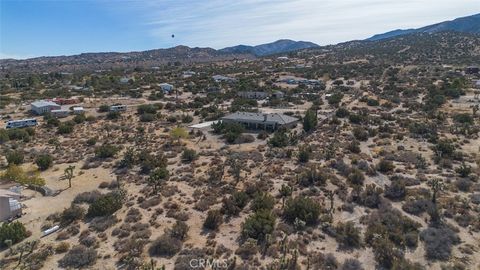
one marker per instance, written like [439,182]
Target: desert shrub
[66,127]
[439,242]
[78,257]
[235,203]
[279,139]
[189,155]
[87,197]
[342,112]
[396,191]
[88,241]
[356,177]
[390,224]
[106,204]
[371,196]
[324,261]
[360,134]
[463,184]
[165,245]
[351,264]
[301,208]
[100,224]
[91,141]
[347,235]
[263,201]
[103,108]
[44,161]
[179,230]
[313,175]
[372,102]
[417,206]
[444,148]
[304,154]
[147,108]
[385,166]
[464,170]
[15,232]
[106,151]
[14,157]
[213,220]
[386,254]
[72,214]
[113,115]
[354,147]
[133,215]
[187,118]
[258,225]
[147,117]
[62,247]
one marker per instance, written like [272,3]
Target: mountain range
[182,54]
[469,24]
[279,46]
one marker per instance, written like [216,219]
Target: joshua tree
[68,174]
[285,192]
[436,185]
[157,177]
[475,109]
[236,166]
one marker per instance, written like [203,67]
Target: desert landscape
[361,155]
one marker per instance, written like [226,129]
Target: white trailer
[118,108]
[22,123]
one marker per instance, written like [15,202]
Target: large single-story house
[9,205]
[221,78]
[252,94]
[43,106]
[166,87]
[270,121]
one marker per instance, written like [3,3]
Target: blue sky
[30,28]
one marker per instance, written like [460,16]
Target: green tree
[310,121]
[178,133]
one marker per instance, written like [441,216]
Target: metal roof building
[271,121]
[43,106]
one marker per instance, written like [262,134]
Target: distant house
[472,70]
[43,106]
[252,94]
[60,113]
[214,89]
[278,95]
[78,110]
[221,78]
[272,121]
[9,205]
[188,74]
[126,80]
[166,88]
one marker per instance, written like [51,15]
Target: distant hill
[279,46]
[469,24]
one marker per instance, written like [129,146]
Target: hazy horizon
[52,28]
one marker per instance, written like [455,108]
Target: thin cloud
[219,23]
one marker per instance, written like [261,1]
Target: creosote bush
[301,208]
